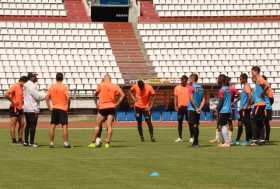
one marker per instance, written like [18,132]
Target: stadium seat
[212,48]
[32,8]
[197,8]
[121,116]
[166,116]
[47,48]
[130,116]
[156,116]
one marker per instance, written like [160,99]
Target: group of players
[255,109]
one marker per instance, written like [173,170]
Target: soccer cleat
[237,143]
[92,145]
[178,140]
[67,146]
[195,146]
[245,143]
[213,141]
[191,140]
[34,145]
[107,145]
[153,139]
[224,145]
[142,139]
[25,144]
[51,145]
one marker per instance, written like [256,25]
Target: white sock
[51,143]
[225,134]
[66,143]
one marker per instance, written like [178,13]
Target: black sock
[140,128]
[14,140]
[195,131]
[151,129]
[239,132]
[180,129]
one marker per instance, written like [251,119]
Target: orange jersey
[183,95]
[269,92]
[58,94]
[16,96]
[142,96]
[107,93]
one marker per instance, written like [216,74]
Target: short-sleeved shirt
[16,96]
[244,96]
[224,93]
[59,95]
[142,96]
[107,93]
[183,94]
[258,91]
[197,93]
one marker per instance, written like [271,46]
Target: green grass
[127,164]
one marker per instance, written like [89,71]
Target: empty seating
[213,48]
[32,8]
[193,8]
[80,50]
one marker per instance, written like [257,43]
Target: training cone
[154,174]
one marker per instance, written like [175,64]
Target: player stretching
[268,111]
[224,110]
[58,103]
[15,96]
[181,99]
[193,113]
[110,96]
[143,96]
[244,111]
[261,89]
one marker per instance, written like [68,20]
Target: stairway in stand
[127,51]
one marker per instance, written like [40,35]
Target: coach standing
[32,98]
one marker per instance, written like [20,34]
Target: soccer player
[142,95]
[244,111]
[181,99]
[58,102]
[193,112]
[233,93]
[110,96]
[224,110]
[268,111]
[15,96]
[261,89]
[32,98]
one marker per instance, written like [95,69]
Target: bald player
[110,96]
[143,94]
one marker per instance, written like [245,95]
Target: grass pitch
[128,162]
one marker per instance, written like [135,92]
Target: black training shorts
[59,117]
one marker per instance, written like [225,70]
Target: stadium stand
[43,10]
[80,50]
[32,7]
[127,50]
[213,48]
[205,8]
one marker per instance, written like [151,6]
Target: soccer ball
[42,95]
[98,142]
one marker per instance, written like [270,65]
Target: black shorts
[139,112]
[15,112]
[194,118]
[59,117]
[268,115]
[224,119]
[183,112]
[107,111]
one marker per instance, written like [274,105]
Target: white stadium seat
[213,48]
[49,52]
